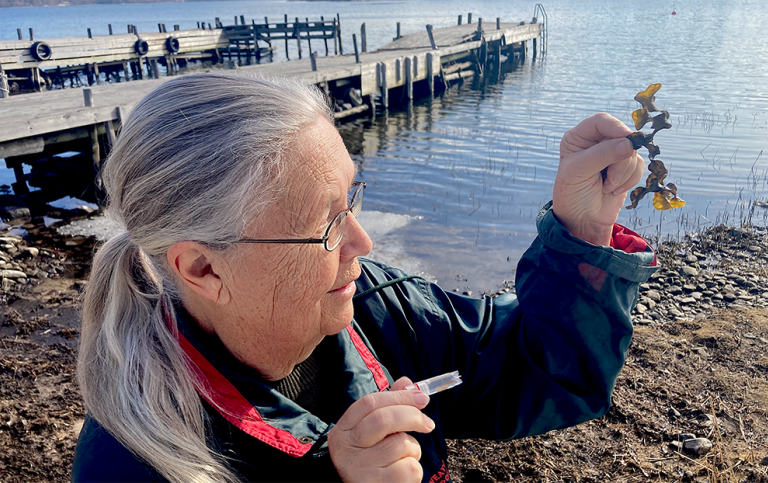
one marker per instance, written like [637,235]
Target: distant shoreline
[68,3]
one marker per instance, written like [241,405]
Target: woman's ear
[193,265]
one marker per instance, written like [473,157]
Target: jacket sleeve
[544,359]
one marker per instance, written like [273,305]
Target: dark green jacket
[544,359]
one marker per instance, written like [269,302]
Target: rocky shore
[690,404]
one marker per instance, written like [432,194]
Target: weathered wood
[357,54]
[335,38]
[459,75]
[398,31]
[408,78]
[109,128]
[296,33]
[363,40]
[457,67]
[31,34]
[431,37]
[18,33]
[469,18]
[461,35]
[498,23]
[338,26]
[431,73]
[351,112]
[460,19]
[88,98]
[384,86]
[533,51]
[313,60]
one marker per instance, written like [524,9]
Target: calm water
[464,175]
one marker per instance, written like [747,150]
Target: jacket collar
[241,396]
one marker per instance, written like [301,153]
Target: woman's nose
[356,242]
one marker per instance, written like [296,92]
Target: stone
[641,309]
[700,351]
[687,300]
[674,413]
[13,274]
[698,446]
[755,249]
[15,215]
[764,461]
[729,297]
[675,313]
[697,295]
[689,288]
[688,271]
[28,252]
[656,296]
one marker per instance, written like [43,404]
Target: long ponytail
[191,163]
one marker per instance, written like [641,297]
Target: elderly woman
[233,333]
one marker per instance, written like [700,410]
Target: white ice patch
[387,245]
[70,203]
[101,227]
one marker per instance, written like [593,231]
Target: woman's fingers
[396,447]
[376,401]
[619,173]
[593,130]
[635,176]
[401,383]
[587,163]
[382,422]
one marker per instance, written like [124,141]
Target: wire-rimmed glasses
[335,230]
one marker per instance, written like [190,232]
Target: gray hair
[198,158]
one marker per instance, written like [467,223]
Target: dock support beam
[93,134]
[313,61]
[357,54]
[408,78]
[384,87]
[431,73]
[4,90]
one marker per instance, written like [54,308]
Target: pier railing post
[325,36]
[469,18]
[297,34]
[363,41]
[109,26]
[335,38]
[338,26]
[431,37]
[4,90]
[398,31]
[460,16]
[313,60]
[31,34]
[357,54]
[19,34]
[93,134]
[498,23]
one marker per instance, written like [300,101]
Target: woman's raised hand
[585,203]
[369,443]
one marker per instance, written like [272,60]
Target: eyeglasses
[335,230]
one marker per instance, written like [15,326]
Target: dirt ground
[704,377]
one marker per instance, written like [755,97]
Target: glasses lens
[356,204]
[336,231]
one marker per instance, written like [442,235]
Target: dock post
[269,36]
[125,71]
[523,48]
[357,55]
[109,128]
[31,34]
[480,25]
[109,26]
[338,25]
[384,87]
[469,18]
[4,90]
[398,31]
[313,60]
[18,32]
[431,37]
[431,73]
[155,70]
[297,34]
[335,38]
[533,57]
[95,68]
[498,23]
[498,56]
[309,36]
[408,79]
[176,27]
[460,16]
[242,19]
[90,36]
[159,28]
[93,134]
[363,41]
[286,37]
[325,36]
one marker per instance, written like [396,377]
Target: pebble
[15,274]
[698,446]
[687,271]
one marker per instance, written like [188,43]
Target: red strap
[370,361]
[228,401]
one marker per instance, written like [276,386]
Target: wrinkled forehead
[319,170]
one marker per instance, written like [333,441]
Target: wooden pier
[39,125]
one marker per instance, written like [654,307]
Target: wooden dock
[38,125]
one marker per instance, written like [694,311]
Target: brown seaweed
[664,196]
